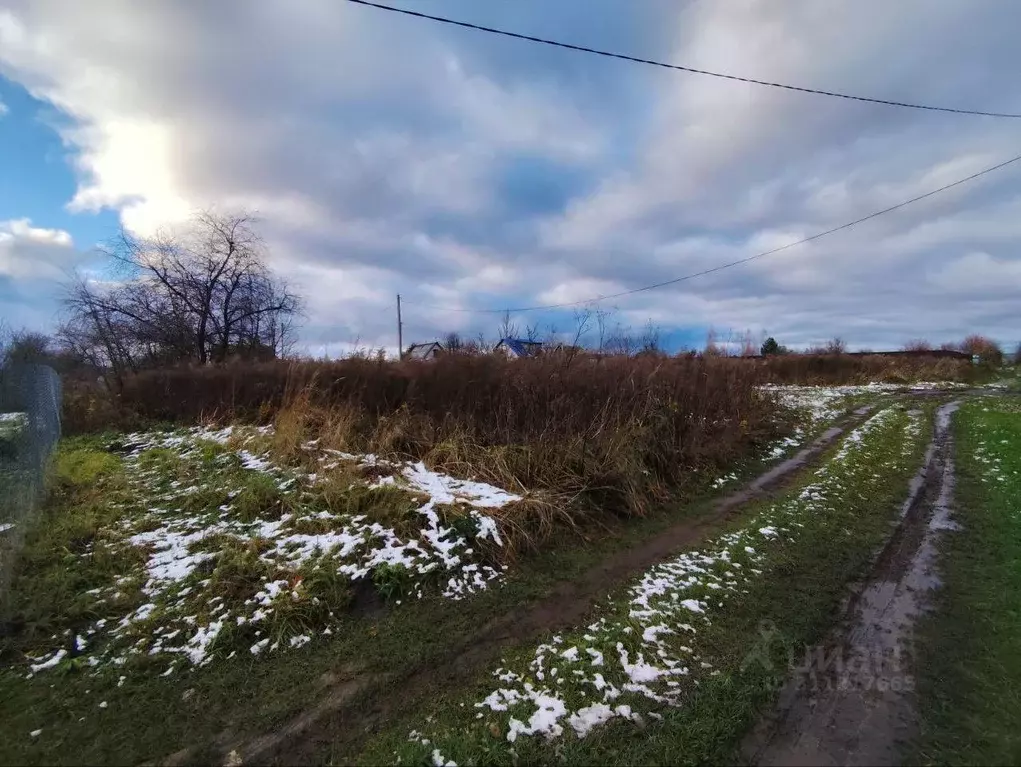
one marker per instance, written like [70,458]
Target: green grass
[148,715]
[969,654]
[65,554]
[803,582]
[18,477]
[1010,377]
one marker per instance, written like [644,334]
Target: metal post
[400,330]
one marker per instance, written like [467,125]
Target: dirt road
[849,701]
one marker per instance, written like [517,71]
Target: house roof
[422,351]
[519,347]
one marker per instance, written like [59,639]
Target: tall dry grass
[834,369]
[585,435]
[616,433]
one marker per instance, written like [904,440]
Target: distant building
[429,351]
[516,348]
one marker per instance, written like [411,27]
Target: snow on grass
[644,653]
[239,554]
[50,662]
[826,402]
[992,461]
[817,405]
[444,489]
[997,450]
[12,425]
[784,446]
[721,481]
[439,760]
[440,488]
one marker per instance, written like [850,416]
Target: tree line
[201,295]
[205,294]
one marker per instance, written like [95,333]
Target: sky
[384,154]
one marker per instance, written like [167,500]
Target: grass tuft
[969,655]
[260,498]
[239,573]
[82,467]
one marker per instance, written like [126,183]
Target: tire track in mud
[850,701]
[355,706]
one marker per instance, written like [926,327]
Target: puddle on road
[772,477]
[849,703]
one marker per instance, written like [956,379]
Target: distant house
[429,351]
[515,348]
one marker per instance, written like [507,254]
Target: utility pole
[400,330]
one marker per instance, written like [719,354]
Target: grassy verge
[969,656]
[678,665]
[142,709]
[1008,377]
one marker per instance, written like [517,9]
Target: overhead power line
[740,261]
[678,67]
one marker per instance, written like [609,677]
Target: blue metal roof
[520,347]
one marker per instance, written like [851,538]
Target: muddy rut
[356,704]
[849,702]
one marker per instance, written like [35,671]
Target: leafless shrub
[204,296]
[836,345]
[987,350]
[917,345]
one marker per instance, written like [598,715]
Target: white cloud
[31,253]
[978,273]
[375,150]
[3,109]
[33,263]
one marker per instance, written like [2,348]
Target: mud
[850,701]
[358,706]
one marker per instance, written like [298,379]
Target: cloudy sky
[386,154]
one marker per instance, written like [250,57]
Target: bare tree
[508,328]
[621,342]
[481,345]
[748,348]
[25,346]
[453,343]
[712,345]
[5,339]
[582,321]
[602,316]
[202,297]
[650,339]
[986,349]
[533,333]
[836,345]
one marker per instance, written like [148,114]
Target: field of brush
[372,520]
[174,547]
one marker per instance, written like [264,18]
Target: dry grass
[585,436]
[614,435]
[835,369]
